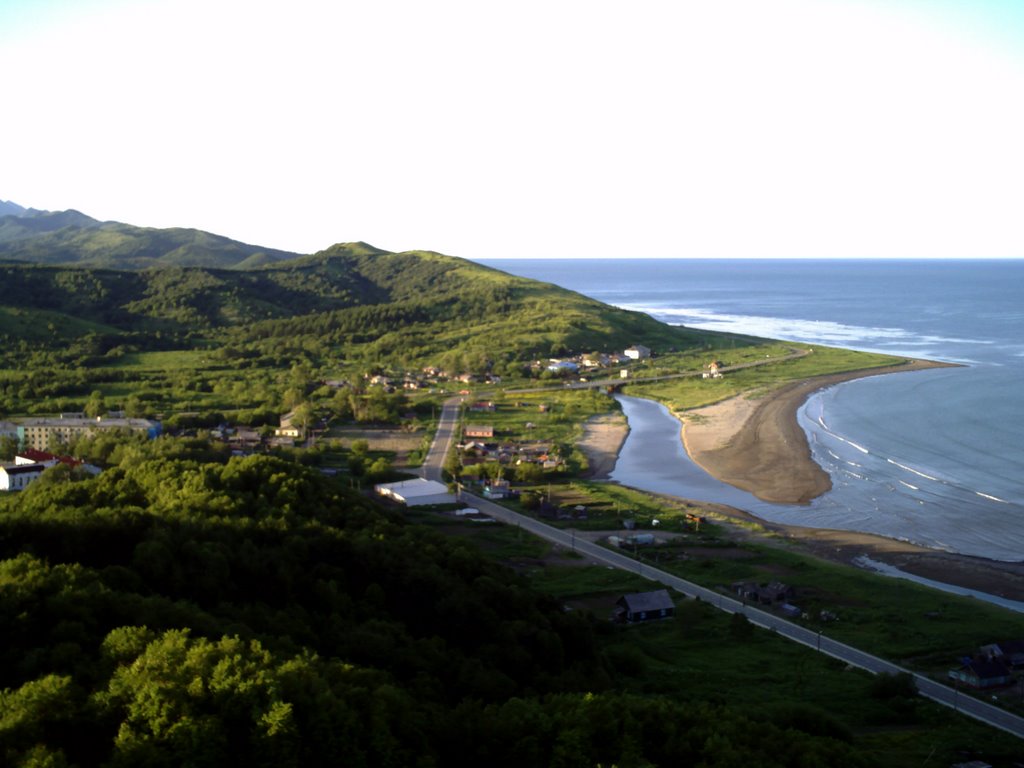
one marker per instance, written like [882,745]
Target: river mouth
[654,459]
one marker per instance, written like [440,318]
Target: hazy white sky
[803,128]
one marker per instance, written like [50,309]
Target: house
[35,456]
[1009,652]
[416,492]
[478,430]
[18,477]
[644,606]
[32,456]
[638,352]
[497,489]
[982,673]
[289,428]
[563,366]
[769,594]
[711,371]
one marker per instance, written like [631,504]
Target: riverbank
[757,445]
[602,440]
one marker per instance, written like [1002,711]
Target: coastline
[745,441]
[993,577]
[757,445]
[731,440]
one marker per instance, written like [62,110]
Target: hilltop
[72,238]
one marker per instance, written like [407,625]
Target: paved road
[939,692]
[443,439]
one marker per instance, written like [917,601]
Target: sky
[685,128]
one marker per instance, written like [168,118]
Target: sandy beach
[756,444]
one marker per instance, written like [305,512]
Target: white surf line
[911,487]
[992,498]
[860,448]
[916,472]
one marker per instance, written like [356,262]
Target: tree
[528,472]
[452,464]
[134,408]
[96,405]
[303,415]
[8,447]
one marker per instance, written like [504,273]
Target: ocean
[934,457]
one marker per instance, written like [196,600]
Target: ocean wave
[914,471]
[911,487]
[792,329]
[802,330]
[991,497]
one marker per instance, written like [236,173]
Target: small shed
[644,606]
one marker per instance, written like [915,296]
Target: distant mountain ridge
[70,238]
[8,208]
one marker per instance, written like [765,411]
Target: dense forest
[186,608]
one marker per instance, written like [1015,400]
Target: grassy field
[911,624]
[694,392]
[176,360]
[703,654]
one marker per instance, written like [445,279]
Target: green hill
[72,238]
[415,305]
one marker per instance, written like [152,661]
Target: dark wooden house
[644,606]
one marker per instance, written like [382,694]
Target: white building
[19,476]
[638,352]
[416,492]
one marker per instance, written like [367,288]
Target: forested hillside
[183,608]
[350,301]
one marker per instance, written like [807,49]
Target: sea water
[934,457]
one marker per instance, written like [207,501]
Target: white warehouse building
[416,492]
